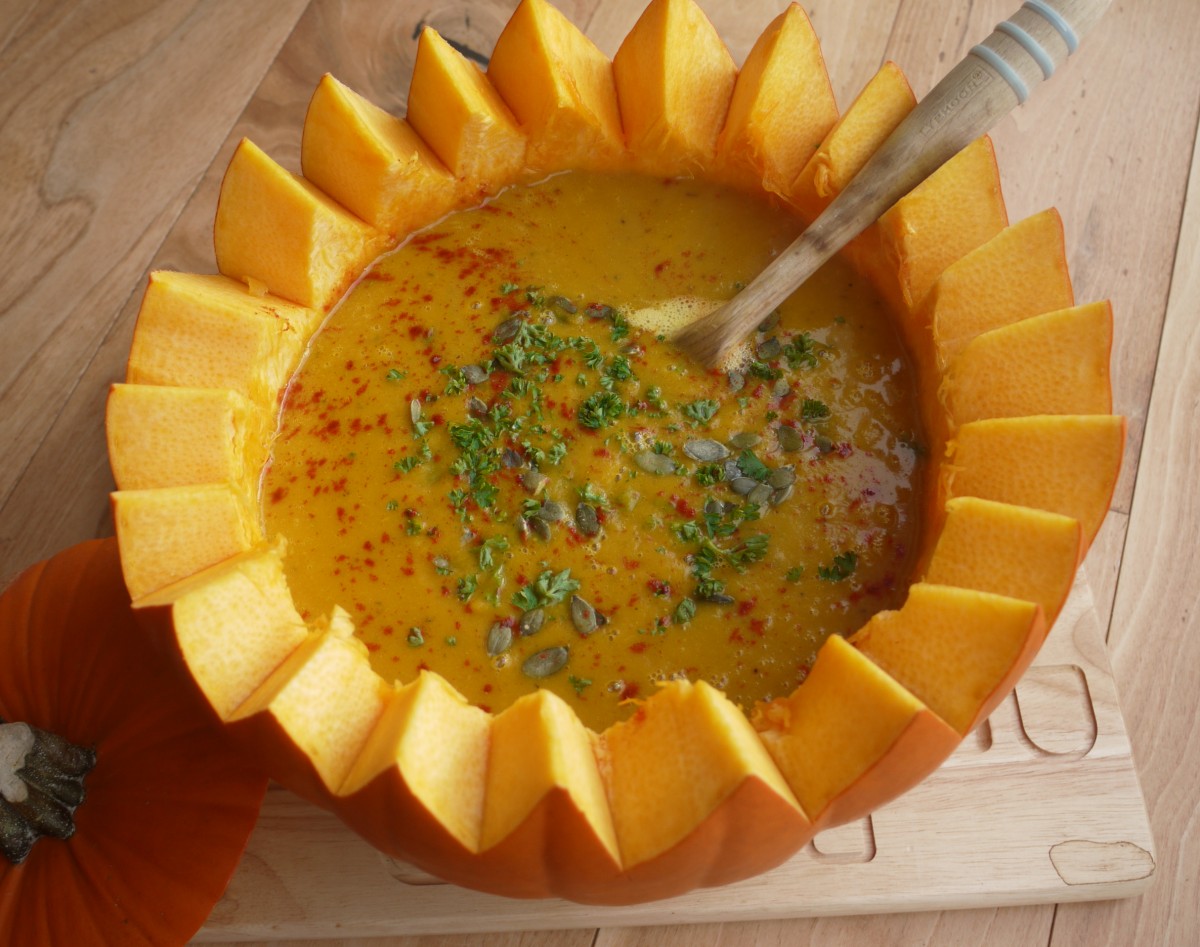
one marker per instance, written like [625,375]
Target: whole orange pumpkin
[166,809]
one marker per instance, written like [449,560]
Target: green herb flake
[702,410]
[579,683]
[601,410]
[813,410]
[466,587]
[415,637]
[843,567]
[685,611]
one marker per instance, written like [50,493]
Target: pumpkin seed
[714,507]
[782,477]
[742,485]
[744,440]
[789,438]
[633,349]
[531,622]
[508,329]
[653,463]
[732,470]
[770,322]
[564,304]
[414,410]
[782,495]
[510,458]
[717,598]
[583,616]
[475,374]
[477,407]
[546,662]
[600,311]
[441,564]
[534,481]
[824,444]
[769,349]
[499,639]
[760,494]
[586,520]
[539,527]
[551,512]
[737,381]
[781,388]
[705,450]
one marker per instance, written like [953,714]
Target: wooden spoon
[994,78]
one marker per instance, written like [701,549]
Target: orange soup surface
[495,461]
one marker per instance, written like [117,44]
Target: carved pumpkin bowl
[692,785]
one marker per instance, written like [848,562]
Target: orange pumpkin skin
[168,806]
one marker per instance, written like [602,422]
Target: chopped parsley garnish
[813,410]
[487,551]
[396,375]
[549,588]
[701,410]
[709,474]
[843,567]
[685,611]
[600,410]
[466,587]
[749,464]
[619,369]
[793,574]
[801,350]
[763,370]
[579,683]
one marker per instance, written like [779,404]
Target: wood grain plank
[1025,925]
[110,114]
[1155,632]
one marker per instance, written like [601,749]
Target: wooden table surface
[118,116]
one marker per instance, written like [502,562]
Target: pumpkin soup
[493,458]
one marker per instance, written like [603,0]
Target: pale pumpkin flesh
[688,792]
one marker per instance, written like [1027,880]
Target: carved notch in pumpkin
[41,786]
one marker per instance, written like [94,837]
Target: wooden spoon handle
[991,80]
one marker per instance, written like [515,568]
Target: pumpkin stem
[41,785]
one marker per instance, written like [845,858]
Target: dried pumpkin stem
[41,785]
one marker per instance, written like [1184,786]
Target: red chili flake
[629,693]
[631,564]
[658,269]
[758,626]
[487,688]
[407,570]
[638,647]
[601,452]
[435,360]
[747,606]
[659,587]
[683,507]
[278,494]
[350,365]
[372,646]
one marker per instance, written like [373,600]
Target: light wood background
[117,117]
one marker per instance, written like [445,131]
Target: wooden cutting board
[1041,804]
